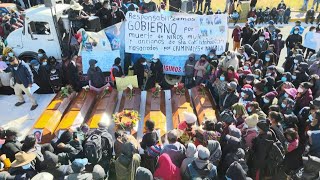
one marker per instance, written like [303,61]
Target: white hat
[203,152]
[147,1]
[76,6]
[190,118]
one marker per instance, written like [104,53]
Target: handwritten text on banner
[175,34]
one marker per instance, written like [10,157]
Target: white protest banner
[312,41]
[175,34]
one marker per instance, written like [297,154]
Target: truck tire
[27,56]
[171,80]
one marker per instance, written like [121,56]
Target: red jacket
[236,35]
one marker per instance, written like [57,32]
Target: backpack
[206,173]
[275,156]
[98,145]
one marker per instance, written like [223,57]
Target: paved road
[285,30]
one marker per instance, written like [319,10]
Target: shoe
[33,107]
[19,103]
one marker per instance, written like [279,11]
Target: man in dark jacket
[117,14]
[156,69]
[189,70]
[77,16]
[95,76]
[40,77]
[261,44]
[139,70]
[310,16]
[293,39]
[104,15]
[70,73]
[11,145]
[246,34]
[117,69]
[230,97]
[23,79]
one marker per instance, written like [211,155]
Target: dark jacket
[292,40]
[40,77]
[105,17]
[304,100]
[117,17]
[139,71]
[246,35]
[22,75]
[157,71]
[117,71]
[260,148]
[259,47]
[149,139]
[71,76]
[88,8]
[10,148]
[96,77]
[228,99]
[293,160]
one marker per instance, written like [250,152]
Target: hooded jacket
[191,155]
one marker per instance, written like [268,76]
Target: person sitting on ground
[78,167]
[310,16]
[11,145]
[97,81]
[67,147]
[51,165]
[21,167]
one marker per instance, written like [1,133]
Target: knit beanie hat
[271,95]
[252,120]
[263,125]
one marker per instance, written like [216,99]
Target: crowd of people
[267,125]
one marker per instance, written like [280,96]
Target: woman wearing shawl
[215,152]
[191,154]
[127,163]
[166,169]
[239,111]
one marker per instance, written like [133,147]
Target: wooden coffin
[133,103]
[156,111]
[103,109]
[49,120]
[180,104]
[78,111]
[203,104]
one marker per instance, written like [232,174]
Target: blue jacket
[301,29]
[23,73]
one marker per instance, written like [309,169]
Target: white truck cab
[40,31]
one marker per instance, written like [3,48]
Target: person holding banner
[97,81]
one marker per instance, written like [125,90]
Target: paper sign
[312,41]
[34,88]
[37,134]
[123,83]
